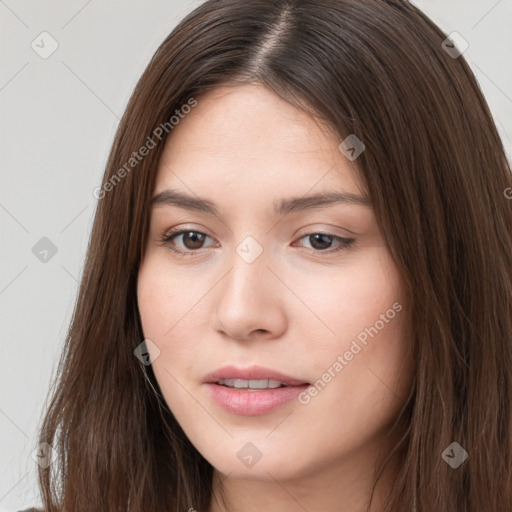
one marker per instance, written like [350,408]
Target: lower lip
[253,403]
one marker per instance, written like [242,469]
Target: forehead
[247,141]
[235,114]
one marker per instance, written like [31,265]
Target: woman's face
[261,288]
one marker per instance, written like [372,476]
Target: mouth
[252,391]
[253,385]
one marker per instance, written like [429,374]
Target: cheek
[151,294]
[163,297]
[350,301]
[363,358]
[158,301]
[160,305]
[171,311]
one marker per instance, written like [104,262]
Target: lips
[252,391]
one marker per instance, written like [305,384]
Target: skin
[294,309]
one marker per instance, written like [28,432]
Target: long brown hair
[435,170]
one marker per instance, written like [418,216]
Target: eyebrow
[171,197]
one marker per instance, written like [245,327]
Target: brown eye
[322,242]
[191,241]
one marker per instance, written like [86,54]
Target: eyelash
[345,243]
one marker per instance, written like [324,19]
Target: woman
[298,289]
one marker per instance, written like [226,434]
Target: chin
[258,461]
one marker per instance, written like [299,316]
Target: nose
[250,301]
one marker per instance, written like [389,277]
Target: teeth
[251,384]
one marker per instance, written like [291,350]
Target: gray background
[59,117]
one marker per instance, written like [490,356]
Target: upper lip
[251,373]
